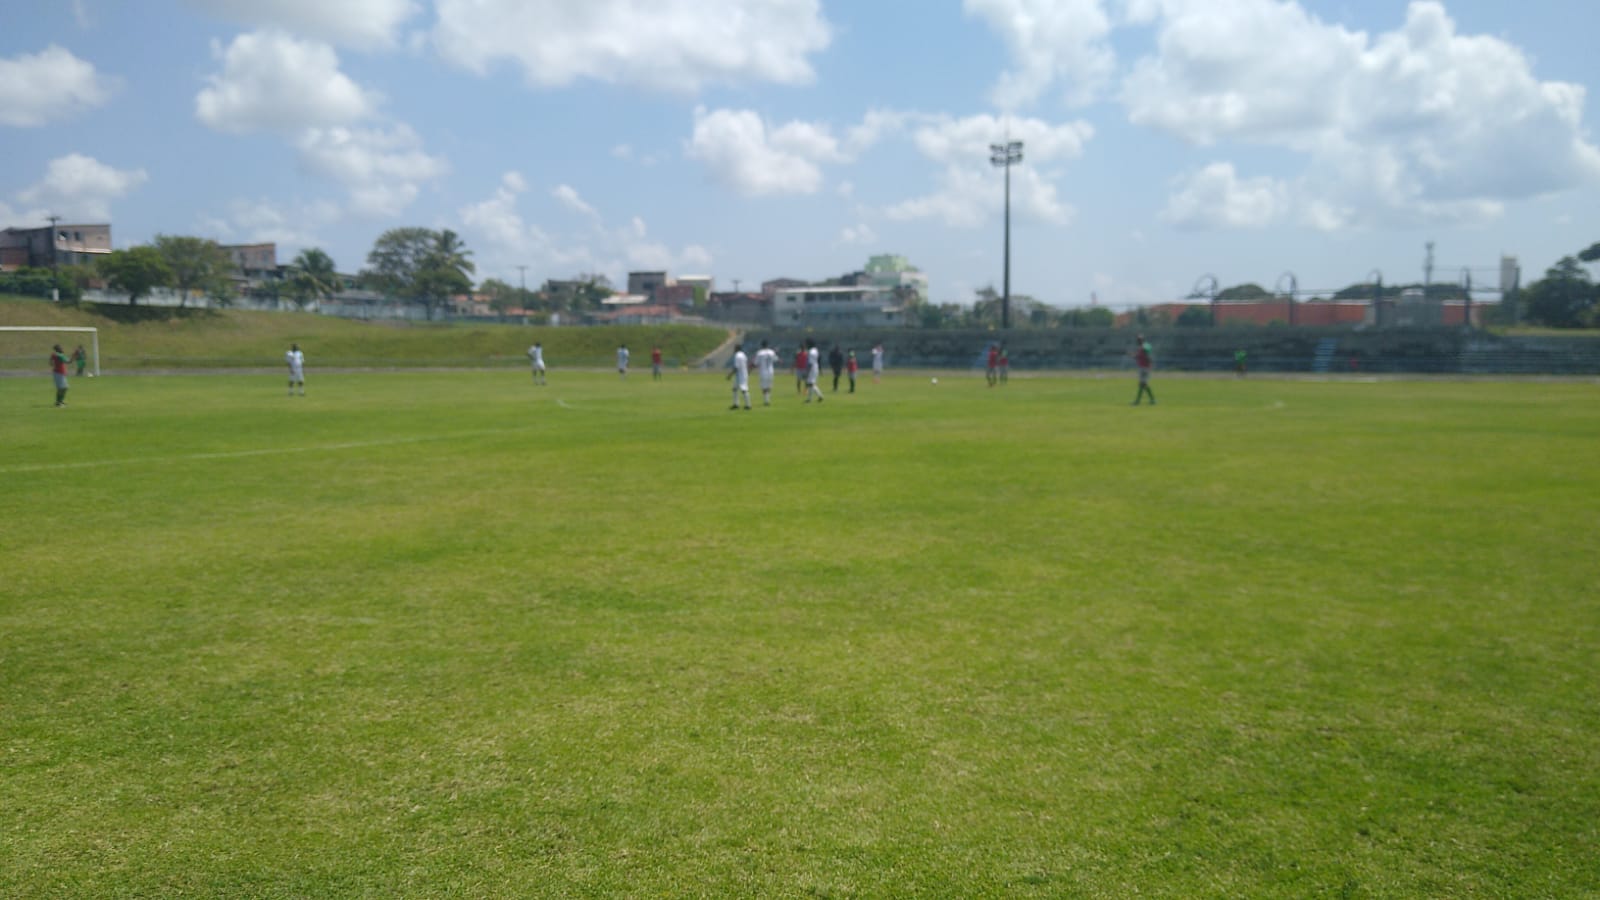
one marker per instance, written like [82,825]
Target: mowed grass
[427,634]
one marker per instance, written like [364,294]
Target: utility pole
[1005,156]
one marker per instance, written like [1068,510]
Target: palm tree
[447,270]
[314,277]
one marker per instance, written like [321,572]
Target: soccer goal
[17,344]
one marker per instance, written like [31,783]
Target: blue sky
[1164,140]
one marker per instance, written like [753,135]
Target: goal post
[93,333]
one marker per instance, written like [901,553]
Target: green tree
[1564,298]
[1194,317]
[312,277]
[503,296]
[1242,292]
[196,264]
[421,265]
[135,271]
[1592,254]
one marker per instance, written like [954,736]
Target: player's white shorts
[296,374]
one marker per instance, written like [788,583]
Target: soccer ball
[935,381]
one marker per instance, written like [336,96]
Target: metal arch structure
[1376,279]
[1294,289]
[1208,287]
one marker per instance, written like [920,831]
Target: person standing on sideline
[536,356]
[58,373]
[79,359]
[1005,364]
[836,362]
[800,370]
[991,371]
[877,362]
[739,371]
[766,364]
[1142,359]
[1238,362]
[622,360]
[297,369]
[813,370]
[850,367]
[655,363]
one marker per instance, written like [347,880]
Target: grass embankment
[447,634]
[133,338]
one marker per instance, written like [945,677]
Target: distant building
[646,283]
[770,288]
[254,261]
[892,271]
[51,246]
[699,287]
[680,295]
[734,306]
[835,306]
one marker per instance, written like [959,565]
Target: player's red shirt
[994,357]
[1141,358]
[655,356]
[801,361]
[58,363]
[850,364]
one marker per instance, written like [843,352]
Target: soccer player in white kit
[297,369]
[536,355]
[622,360]
[740,373]
[877,362]
[813,366]
[766,365]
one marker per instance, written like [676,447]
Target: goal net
[25,348]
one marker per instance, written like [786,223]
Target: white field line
[246,454]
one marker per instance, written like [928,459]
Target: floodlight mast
[1005,156]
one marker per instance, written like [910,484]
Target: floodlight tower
[1005,156]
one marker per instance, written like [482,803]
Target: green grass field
[447,634]
[162,338]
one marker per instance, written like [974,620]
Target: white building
[892,271]
[866,305]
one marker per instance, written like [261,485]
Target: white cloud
[510,240]
[1216,195]
[293,227]
[383,168]
[970,189]
[48,86]
[1414,125]
[967,140]
[675,45]
[569,197]
[968,196]
[81,187]
[366,23]
[861,233]
[740,151]
[272,81]
[1051,42]
[696,256]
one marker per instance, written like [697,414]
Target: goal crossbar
[94,338]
